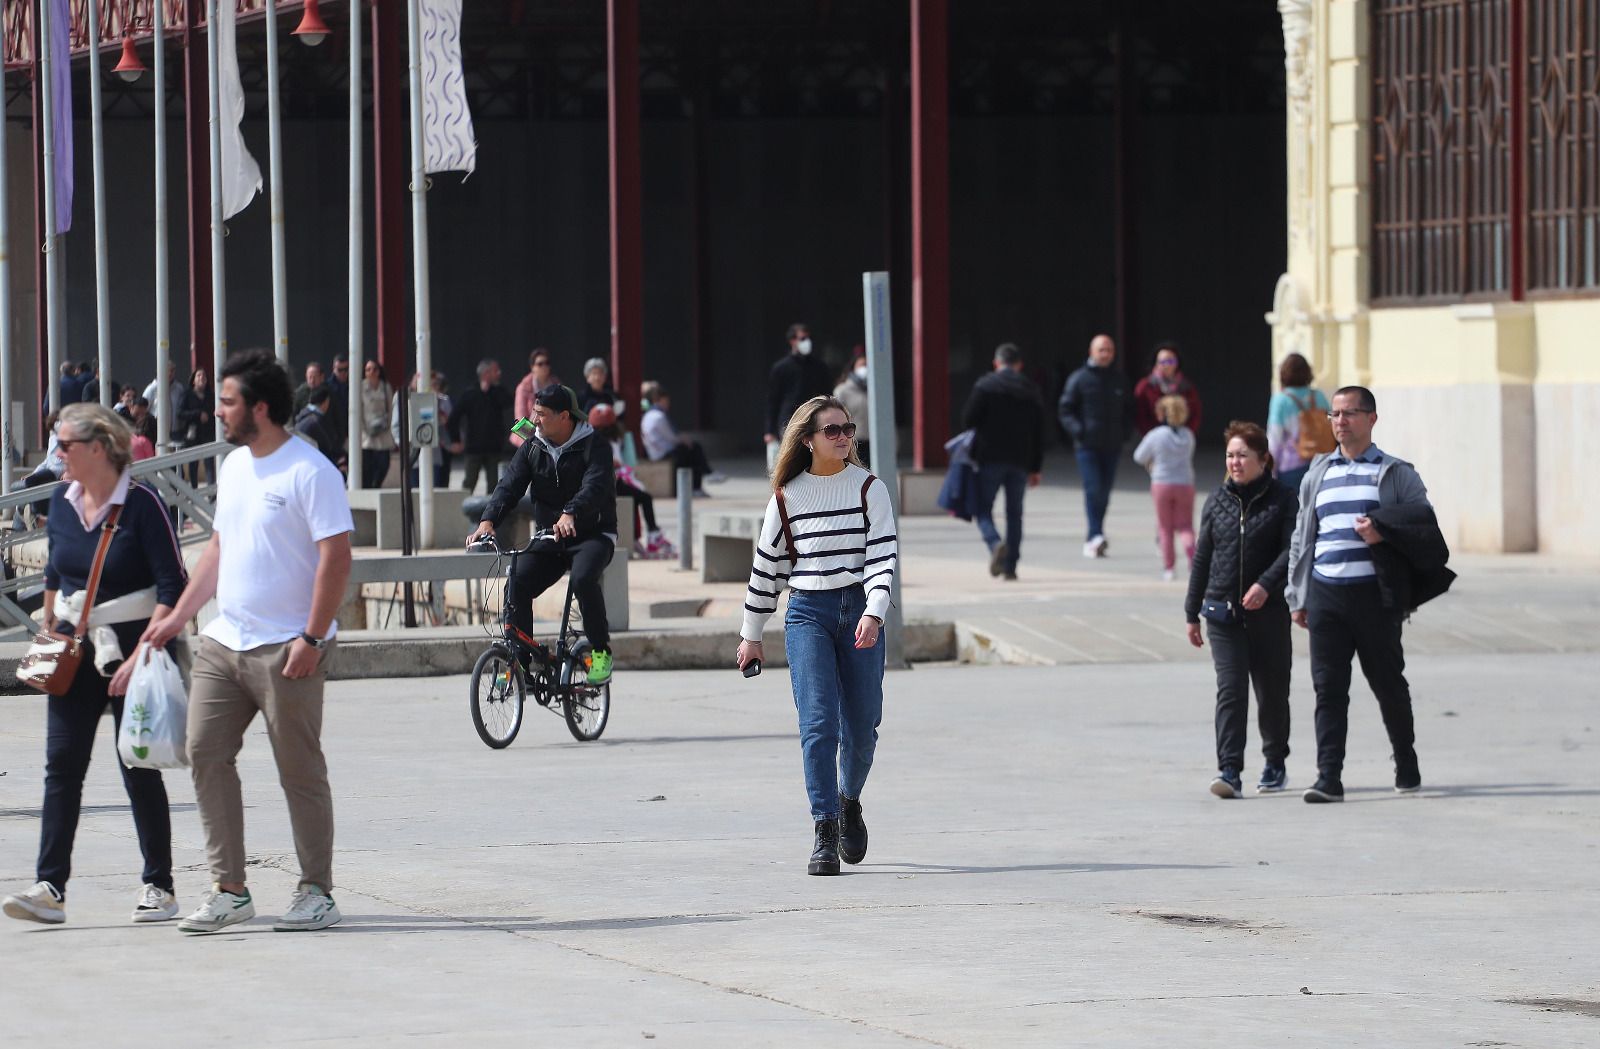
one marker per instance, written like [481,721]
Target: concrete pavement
[1046,869]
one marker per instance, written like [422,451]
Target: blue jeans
[838,693]
[1014,479]
[1099,469]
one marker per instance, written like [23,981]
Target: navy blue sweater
[144,551]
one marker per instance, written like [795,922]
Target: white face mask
[861,373]
[803,346]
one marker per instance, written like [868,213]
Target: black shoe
[1010,577]
[1326,790]
[825,857]
[997,559]
[852,831]
[1407,777]
[1273,779]
[1225,784]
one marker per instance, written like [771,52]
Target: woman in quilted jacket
[1241,563]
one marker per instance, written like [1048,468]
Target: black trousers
[693,457]
[1350,621]
[1257,652]
[71,723]
[642,500]
[537,572]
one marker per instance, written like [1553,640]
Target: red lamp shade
[312,30]
[129,68]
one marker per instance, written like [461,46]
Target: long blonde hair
[793,455]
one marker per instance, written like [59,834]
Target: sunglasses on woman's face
[834,431]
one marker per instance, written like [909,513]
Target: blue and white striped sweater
[1348,490]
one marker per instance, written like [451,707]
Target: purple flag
[61,75]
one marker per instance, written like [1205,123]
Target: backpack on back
[1316,432]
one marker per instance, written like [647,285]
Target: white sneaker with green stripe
[311,909]
[218,910]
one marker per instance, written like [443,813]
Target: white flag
[241,175]
[448,143]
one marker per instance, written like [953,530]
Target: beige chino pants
[228,689]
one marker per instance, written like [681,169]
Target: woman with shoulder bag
[829,531]
[377,443]
[1241,563]
[141,576]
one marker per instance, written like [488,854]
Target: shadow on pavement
[1065,868]
[521,923]
[87,810]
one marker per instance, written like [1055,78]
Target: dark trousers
[489,464]
[642,500]
[1350,621]
[71,723]
[374,467]
[537,572]
[992,477]
[693,457]
[1099,470]
[1256,652]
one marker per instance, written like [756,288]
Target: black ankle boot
[825,857]
[852,831]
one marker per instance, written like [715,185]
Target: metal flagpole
[55,319]
[419,268]
[219,303]
[164,411]
[358,376]
[7,423]
[280,291]
[102,290]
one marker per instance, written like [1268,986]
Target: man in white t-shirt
[277,563]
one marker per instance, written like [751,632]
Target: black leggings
[537,572]
[642,500]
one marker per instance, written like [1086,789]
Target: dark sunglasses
[64,444]
[833,431]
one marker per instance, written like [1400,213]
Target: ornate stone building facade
[1444,247]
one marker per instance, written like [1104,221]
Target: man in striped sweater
[1334,589]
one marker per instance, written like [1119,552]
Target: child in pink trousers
[1168,453]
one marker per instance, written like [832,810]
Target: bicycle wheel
[497,697]
[586,706]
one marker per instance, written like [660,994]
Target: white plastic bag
[155,714]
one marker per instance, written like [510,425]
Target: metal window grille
[1563,149]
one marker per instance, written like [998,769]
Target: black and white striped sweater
[837,546]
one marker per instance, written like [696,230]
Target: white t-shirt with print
[271,513]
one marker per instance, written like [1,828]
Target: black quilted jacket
[1243,539]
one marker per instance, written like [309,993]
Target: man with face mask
[794,380]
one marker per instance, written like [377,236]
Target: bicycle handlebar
[490,544]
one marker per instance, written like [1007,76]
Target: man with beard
[277,563]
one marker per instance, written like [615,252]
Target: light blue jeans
[838,693]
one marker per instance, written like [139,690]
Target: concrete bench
[659,477]
[727,545]
[376,512]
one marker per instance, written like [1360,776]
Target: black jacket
[481,420]
[1243,539]
[1410,562]
[580,483]
[1096,408]
[794,381]
[194,412]
[1005,411]
[588,396]
[315,425]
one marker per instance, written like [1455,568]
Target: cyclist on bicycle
[566,471]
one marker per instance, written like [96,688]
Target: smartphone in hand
[752,668]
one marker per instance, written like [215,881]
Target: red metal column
[391,176]
[930,230]
[627,238]
[197,153]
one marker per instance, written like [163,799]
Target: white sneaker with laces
[311,909]
[42,903]
[218,910]
[155,905]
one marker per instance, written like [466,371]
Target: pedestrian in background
[1298,429]
[795,379]
[1166,379]
[1168,453]
[377,442]
[541,376]
[596,388]
[480,425]
[851,391]
[663,441]
[1236,584]
[829,531]
[1096,410]
[1005,413]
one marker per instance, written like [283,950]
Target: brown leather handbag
[52,660]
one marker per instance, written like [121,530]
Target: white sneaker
[155,905]
[1100,545]
[218,910]
[715,477]
[1091,549]
[42,903]
[1166,575]
[311,909]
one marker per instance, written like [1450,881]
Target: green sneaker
[599,667]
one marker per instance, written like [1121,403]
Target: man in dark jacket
[1352,590]
[1096,410]
[312,422]
[479,426]
[566,471]
[794,380]
[1005,413]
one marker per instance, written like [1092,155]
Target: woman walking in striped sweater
[829,532]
